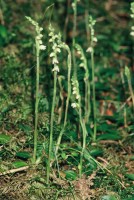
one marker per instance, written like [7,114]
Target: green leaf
[71,175]
[18,164]
[127,73]
[3,31]
[109,136]
[25,128]
[4,138]
[109,197]
[64,156]
[96,152]
[3,35]
[130,176]
[23,155]
[74,154]
[91,163]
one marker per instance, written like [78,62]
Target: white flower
[37,37]
[40,41]
[58,50]
[52,54]
[74,105]
[74,91]
[42,47]
[73,5]
[132,15]
[79,52]
[40,35]
[55,69]
[132,33]
[94,39]
[41,29]
[81,65]
[78,96]
[132,28]
[90,49]
[55,61]
[50,40]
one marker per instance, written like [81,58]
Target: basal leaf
[109,197]
[71,175]
[23,155]
[109,136]
[130,176]
[4,138]
[18,164]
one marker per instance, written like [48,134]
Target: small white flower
[79,52]
[74,105]
[37,37]
[132,33]
[132,28]
[55,61]
[55,69]
[58,50]
[81,65]
[50,34]
[42,47]
[132,15]
[74,92]
[74,88]
[50,40]
[41,29]
[40,36]
[52,54]
[54,46]
[78,96]
[40,41]
[95,39]
[73,5]
[90,49]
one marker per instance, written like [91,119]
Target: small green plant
[69,64]
[77,105]
[83,64]
[39,46]
[93,40]
[55,40]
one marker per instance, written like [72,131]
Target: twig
[14,170]
[124,104]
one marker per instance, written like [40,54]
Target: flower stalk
[93,40]
[55,40]
[69,64]
[83,63]
[77,106]
[39,46]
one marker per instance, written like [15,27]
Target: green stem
[67,100]
[94,95]
[131,91]
[84,140]
[74,36]
[36,102]
[87,25]
[87,97]
[51,127]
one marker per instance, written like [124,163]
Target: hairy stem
[84,133]
[36,101]
[51,127]
[74,37]
[67,100]
[94,95]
